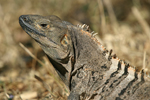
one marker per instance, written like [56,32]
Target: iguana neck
[88,53]
[87,50]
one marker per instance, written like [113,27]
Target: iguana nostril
[25,19]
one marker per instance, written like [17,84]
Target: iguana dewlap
[89,71]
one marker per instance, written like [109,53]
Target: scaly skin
[84,65]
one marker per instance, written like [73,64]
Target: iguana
[89,70]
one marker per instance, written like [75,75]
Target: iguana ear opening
[64,41]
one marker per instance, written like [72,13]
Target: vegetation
[123,25]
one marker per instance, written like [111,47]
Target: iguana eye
[64,40]
[43,25]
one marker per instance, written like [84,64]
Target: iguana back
[89,70]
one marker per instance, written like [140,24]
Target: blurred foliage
[119,29]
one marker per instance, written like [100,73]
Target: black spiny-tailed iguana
[84,65]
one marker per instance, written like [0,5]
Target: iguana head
[53,36]
[50,32]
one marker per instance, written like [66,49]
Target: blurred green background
[122,25]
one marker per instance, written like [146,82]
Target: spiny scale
[120,79]
[86,28]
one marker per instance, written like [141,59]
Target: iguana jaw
[29,28]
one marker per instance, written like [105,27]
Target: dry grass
[123,26]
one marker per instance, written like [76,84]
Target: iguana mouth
[29,27]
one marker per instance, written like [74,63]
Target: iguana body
[89,71]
